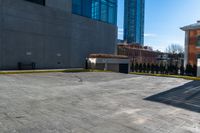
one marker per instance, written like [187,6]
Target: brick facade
[138,53]
[192,43]
[193,48]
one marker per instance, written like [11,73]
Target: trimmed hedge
[165,69]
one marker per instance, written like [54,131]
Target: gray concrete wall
[186,48]
[50,36]
[101,66]
[90,37]
[64,5]
[1,19]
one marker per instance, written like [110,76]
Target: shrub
[170,69]
[188,70]
[176,69]
[182,70]
[194,70]
[157,68]
[152,68]
[148,68]
[140,67]
[161,69]
[132,67]
[136,67]
[144,67]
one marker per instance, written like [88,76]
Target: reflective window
[76,4]
[41,2]
[95,9]
[198,41]
[102,10]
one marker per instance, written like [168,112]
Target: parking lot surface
[98,103]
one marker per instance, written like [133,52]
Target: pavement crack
[19,117]
[79,78]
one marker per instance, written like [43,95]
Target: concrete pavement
[91,103]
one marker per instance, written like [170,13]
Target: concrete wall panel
[23,25]
[21,47]
[90,37]
[57,52]
[1,26]
[64,5]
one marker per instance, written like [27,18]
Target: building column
[186,48]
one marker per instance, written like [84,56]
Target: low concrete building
[115,63]
[47,33]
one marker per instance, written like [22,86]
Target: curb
[42,71]
[170,76]
[50,71]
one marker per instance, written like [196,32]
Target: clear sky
[163,19]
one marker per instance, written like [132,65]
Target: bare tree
[175,49]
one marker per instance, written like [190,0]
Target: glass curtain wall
[102,10]
[134,21]
[41,2]
[81,7]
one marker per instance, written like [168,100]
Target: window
[41,2]
[198,56]
[102,10]
[77,6]
[198,41]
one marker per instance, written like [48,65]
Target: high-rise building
[55,33]
[134,21]
[102,10]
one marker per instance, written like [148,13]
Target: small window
[41,2]
[198,41]
[198,56]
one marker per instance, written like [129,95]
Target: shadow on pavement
[186,96]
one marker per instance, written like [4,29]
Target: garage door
[123,68]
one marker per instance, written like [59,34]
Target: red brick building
[192,43]
[139,54]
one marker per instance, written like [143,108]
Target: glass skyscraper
[134,21]
[102,10]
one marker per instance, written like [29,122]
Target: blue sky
[163,19]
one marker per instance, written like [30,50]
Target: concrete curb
[170,76]
[42,71]
[75,70]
